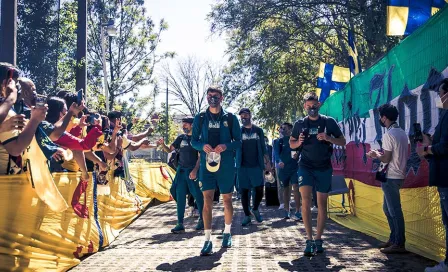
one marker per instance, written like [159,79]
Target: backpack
[174,159]
[229,122]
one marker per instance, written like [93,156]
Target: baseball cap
[244,110]
[188,120]
[213,162]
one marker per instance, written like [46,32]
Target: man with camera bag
[315,136]
[392,174]
[186,175]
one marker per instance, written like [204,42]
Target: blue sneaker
[257,215]
[309,249]
[207,249]
[319,247]
[227,240]
[246,221]
[200,225]
[285,214]
[179,228]
[297,216]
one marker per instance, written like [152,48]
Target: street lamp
[111,31]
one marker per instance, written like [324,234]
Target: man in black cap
[186,175]
[254,159]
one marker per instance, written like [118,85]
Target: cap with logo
[213,161]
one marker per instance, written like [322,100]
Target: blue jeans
[392,210]
[443,193]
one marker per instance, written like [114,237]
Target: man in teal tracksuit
[217,135]
[186,175]
[254,159]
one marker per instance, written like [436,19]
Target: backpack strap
[229,122]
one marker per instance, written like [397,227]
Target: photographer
[394,158]
[436,150]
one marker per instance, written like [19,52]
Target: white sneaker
[314,209]
[281,207]
[441,267]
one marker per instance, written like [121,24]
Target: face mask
[382,123]
[213,101]
[313,112]
[186,130]
[440,102]
[245,121]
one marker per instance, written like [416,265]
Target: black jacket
[438,162]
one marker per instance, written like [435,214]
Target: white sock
[227,228]
[208,234]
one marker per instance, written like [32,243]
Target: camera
[418,135]
[92,118]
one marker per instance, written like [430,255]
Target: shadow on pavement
[196,263]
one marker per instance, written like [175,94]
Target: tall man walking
[315,135]
[217,135]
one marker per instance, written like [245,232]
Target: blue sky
[189,31]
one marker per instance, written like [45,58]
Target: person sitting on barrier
[394,158]
[186,175]
[435,149]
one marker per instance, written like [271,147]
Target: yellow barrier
[32,236]
[425,233]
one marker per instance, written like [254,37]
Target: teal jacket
[200,138]
[261,145]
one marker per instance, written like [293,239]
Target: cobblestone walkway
[274,245]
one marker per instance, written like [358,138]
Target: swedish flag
[354,62]
[331,79]
[405,16]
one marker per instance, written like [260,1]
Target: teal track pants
[183,184]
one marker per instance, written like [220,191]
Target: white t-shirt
[396,141]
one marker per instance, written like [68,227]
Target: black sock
[245,201]
[258,197]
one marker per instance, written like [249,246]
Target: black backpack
[229,122]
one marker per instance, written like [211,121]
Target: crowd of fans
[72,137]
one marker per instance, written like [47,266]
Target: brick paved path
[274,245]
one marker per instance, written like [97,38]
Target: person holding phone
[394,158]
[315,167]
[16,133]
[9,88]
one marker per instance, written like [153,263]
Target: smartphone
[92,118]
[306,132]
[80,97]
[418,135]
[40,101]
[19,107]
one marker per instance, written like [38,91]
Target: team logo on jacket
[300,179]
[200,184]
[225,123]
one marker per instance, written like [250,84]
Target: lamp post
[8,33]
[111,31]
